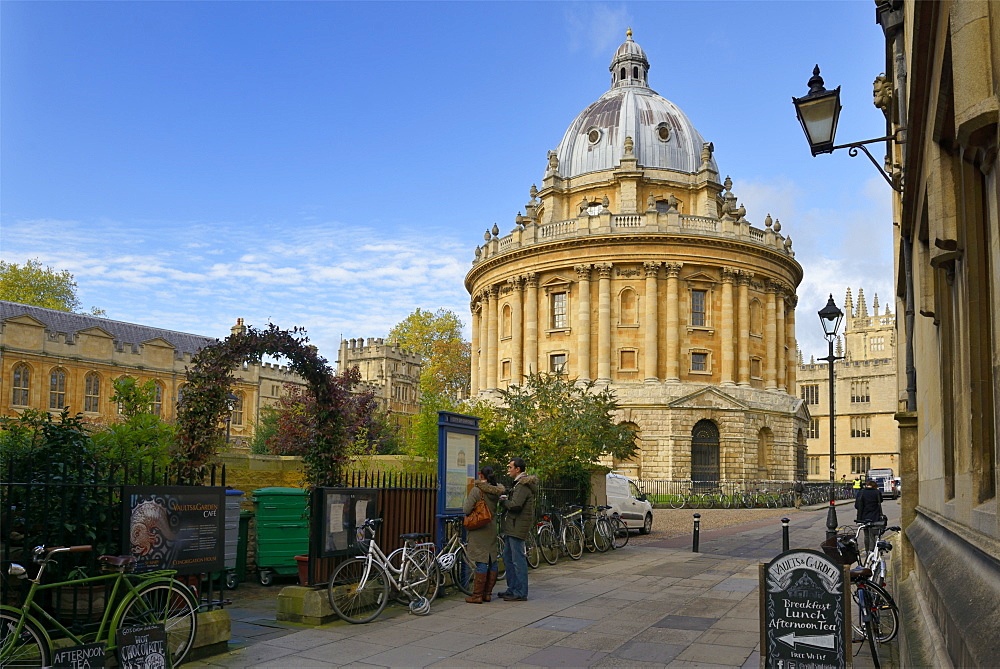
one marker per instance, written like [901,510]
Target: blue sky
[333,165]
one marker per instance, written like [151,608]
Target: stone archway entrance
[705,452]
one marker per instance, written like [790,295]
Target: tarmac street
[654,603]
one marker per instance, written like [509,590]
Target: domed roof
[662,134]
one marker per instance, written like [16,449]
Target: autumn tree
[437,338]
[556,424]
[40,286]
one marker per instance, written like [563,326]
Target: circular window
[594,135]
[663,132]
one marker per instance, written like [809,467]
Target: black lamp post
[830,316]
[231,401]
[819,111]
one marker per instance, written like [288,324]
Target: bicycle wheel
[708,500]
[548,545]
[869,627]
[725,501]
[677,501]
[589,529]
[420,575]
[619,532]
[531,552]
[28,649]
[574,542]
[884,613]
[351,601]
[169,603]
[463,571]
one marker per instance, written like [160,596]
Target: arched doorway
[705,451]
[632,467]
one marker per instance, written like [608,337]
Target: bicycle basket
[842,549]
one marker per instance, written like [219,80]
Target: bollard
[697,531]
[784,534]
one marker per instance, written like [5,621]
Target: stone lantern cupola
[629,66]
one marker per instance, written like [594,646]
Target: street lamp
[819,111]
[830,316]
[231,401]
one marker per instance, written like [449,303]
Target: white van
[629,503]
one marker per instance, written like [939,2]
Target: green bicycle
[135,600]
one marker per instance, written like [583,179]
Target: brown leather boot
[491,580]
[477,590]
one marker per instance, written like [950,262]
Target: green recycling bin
[282,531]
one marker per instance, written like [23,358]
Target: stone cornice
[638,242]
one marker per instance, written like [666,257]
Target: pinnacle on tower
[849,304]
[862,306]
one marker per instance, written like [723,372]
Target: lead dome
[663,135]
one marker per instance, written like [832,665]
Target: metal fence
[744,493]
[76,503]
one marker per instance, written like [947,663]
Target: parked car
[629,503]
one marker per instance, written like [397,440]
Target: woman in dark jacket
[869,507]
[482,547]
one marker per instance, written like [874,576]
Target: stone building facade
[387,370]
[941,93]
[865,396]
[634,266]
[53,359]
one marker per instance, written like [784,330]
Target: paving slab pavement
[655,604]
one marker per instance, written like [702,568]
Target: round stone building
[634,266]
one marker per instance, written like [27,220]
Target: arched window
[505,319]
[705,451]
[623,74]
[57,389]
[764,439]
[21,386]
[92,393]
[635,72]
[238,408]
[756,323]
[801,472]
[158,399]
[628,314]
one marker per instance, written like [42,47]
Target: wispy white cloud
[596,28]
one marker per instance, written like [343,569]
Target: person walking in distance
[482,545]
[798,488]
[518,520]
[869,507]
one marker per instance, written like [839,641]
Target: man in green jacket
[518,519]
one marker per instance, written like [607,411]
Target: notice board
[175,527]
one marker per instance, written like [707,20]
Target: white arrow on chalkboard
[826,641]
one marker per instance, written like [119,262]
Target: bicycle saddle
[414,536]
[860,574]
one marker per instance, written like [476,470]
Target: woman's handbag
[480,516]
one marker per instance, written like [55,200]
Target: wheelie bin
[282,531]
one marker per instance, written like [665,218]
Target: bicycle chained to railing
[877,619]
[360,588]
[453,558]
[151,598]
[558,533]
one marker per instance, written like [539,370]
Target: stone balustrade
[529,232]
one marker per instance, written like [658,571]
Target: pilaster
[652,326]
[673,322]
[604,323]
[582,357]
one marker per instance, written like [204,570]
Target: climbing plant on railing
[203,405]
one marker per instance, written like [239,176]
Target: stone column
[604,323]
[531,324]
[484,337]
[474,371]
[728,342]
[516,329]
[493,338]
[782,355]
[770,337]
[583,323]
[673,323]
[652,326]
[743,323]
[792,343]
